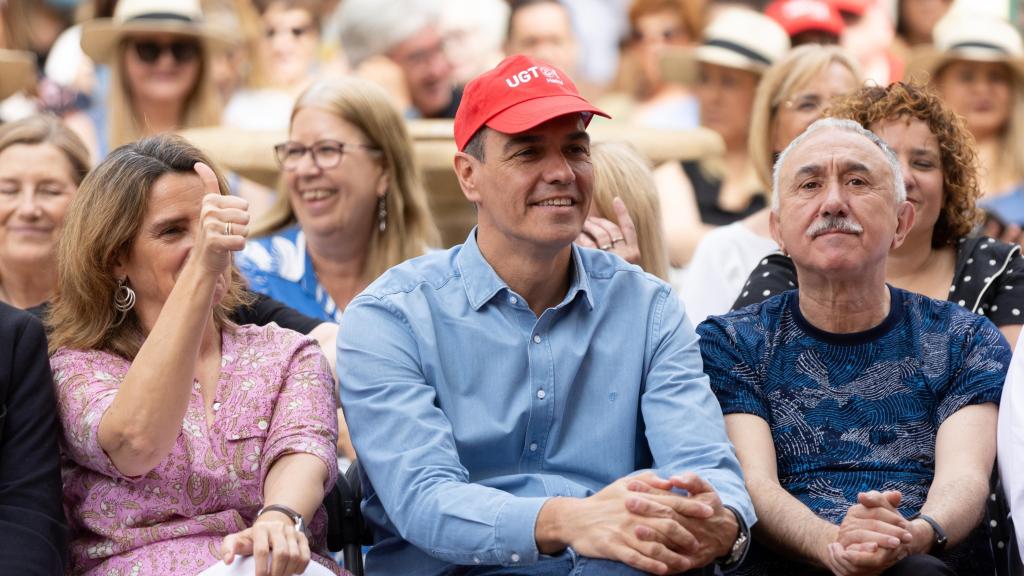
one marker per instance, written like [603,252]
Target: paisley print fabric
[275,396]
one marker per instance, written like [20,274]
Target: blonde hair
[410,227]
[46,129]
[796,69]
[102,224]
[621,170]
[202,105]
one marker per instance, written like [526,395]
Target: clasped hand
[641,522]
[872,537]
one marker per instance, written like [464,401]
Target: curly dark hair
[871,104]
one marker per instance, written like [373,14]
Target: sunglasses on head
[182,51]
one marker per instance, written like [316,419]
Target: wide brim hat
[17,71]
[968,36]
[101,37]
[737,38]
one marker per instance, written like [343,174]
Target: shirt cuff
[515,531]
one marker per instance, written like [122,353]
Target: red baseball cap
[516,95]
[797,16]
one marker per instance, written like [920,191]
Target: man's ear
[467,170]
[773,228]
[905,216]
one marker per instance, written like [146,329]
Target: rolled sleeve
[86,384]
[304,418]
[685,427]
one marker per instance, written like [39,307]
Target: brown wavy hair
[100,229]
[871,104]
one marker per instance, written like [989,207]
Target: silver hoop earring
[124,297]
[382,214]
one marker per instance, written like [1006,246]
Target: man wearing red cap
[521,405]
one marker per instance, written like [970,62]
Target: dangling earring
[124,299]
[382,214]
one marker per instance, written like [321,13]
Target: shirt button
[476,559]
[263,424]
[533,446]
[216,406]
[513,300]
[536,338]
[541,394]
[514,557]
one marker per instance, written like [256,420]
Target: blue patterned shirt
[280,267]
[468,411]
[854,412]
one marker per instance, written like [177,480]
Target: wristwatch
[939,543]
[295,516]
[739,548]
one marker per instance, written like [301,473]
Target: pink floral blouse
[275,396]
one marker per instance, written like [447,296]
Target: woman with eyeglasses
[159,53]
[286,63]
[352,204]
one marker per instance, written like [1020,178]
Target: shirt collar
[482,283]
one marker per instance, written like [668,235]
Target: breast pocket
[246,439]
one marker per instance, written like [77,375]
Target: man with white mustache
[863,415]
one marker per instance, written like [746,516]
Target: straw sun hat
[17,71]
[101,37]
[737,38]
[973,37]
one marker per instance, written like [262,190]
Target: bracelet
[939,541]
[295,516]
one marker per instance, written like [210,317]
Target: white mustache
[828,224]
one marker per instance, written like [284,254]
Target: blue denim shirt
[468,411]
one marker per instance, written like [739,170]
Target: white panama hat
[736,38]
[977,37]
[101,37]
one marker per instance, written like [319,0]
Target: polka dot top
[988,280]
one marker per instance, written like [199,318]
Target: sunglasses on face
[182,51]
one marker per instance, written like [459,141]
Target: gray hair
[373,27]
[899,188]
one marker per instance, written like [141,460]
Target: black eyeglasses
[326,153]
[182,51]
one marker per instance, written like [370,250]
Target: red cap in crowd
[518,94]
[798,16]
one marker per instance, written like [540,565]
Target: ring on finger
[227,229]
[607,246]
[617,240]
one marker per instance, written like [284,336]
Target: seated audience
[1010,441]
[739,45]
[352,204]
[654,27]
[625,215]
[542,29]
[41,165]
[285,63]
[502,394]
[31,515]
[407,34]
[863,414]
[187,439]
[978,72]
[939,258]
[159,54]
[789,98]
